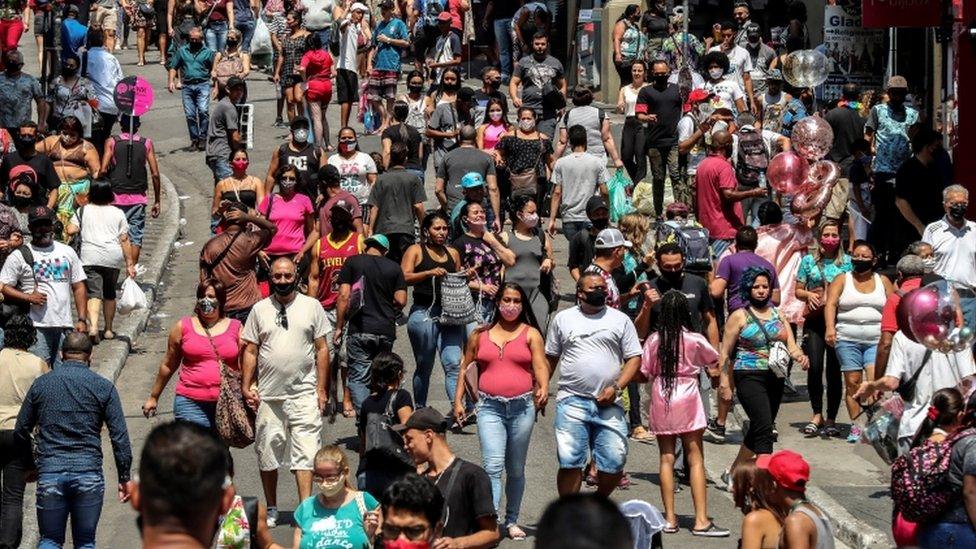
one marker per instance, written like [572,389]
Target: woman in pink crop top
[495,126]
[194,342]
[513,383]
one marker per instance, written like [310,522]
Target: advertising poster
[855,54]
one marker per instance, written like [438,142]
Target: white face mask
[526,125]
[331,489]
[715,73]
[495,116]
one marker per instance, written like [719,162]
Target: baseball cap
[788,469]
[40,214]
[774,74]
[359,6]
[611,238]
[424,419]
[679,208]
[235,82]
[472,180]
[695,97]
[344,205]
[73,9]
[23,170]
[444,17]
[752,28]
[897,82]
[595,203]
[386,5]
[378,240]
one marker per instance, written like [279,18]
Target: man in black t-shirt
[582,247]
[659,106]
[301,154]
[918,189]
[671,263]
[25,141]
[372,292]
[491,83]
[470,518]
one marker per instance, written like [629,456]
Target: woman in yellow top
[76,163]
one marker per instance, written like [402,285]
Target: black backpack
[9,308]
[752,158]
[381,441]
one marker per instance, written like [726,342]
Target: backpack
[432,8]
[381,441]
[752,158]
[457,304]
[920,485]
[692,238]
[9,308]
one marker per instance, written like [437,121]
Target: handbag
[234,418]
[779,355]
[8,308]
[457,304]
[471,375]
[527,182]
[380,440]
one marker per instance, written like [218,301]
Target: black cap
[595,203]
[40,214]
[300,122]
[424,419]
[235,82]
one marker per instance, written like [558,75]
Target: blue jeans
[48,345]
[323,35]
[504,429]
[854,357]
[946,535]
[582,428]
[247,33]
[572,228]
[197,412]
[216,35]
[76,494]
[196,105]
[503,36]
[220,166]
[361,349]
[968,305]
[427,336]
[135,214]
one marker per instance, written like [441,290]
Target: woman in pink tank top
[194,344]
[513,383]
[495,126]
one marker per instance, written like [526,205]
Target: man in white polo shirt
[953,240]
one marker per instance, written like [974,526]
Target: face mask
[450,87]
[330,489]
[283,289]
[348,146]
[415,88]
[20,201]
[406,544]
[240,165]
[12,66]
[758,303]
[68,140]
[495,116]
[476,225]
[69,71]
[530,220]
[526,125]
[754,40]
[232,43]
[660,79]
[287,185]
[958,212]
[862,265]
[207,305]
[830,243]
[494,84]
[929,263]
[601,223]
[300,136]
[510,312]
[673,277]
[595,298]
[196,46]
[42,238]
[25,142]
[715,74]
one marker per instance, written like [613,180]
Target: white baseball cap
[359,6]
[611,238]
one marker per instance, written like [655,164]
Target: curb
[112,354]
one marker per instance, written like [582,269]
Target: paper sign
[133,95]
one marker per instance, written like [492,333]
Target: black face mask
[673,277]
[283,289]
[958,212]
[232,43]
[450,87]
[20,201]
[415,89]
[595,298]
[600,223]
[196,46]
[494,85]
[42,238]
[25,142]
[661,80]
[12,66]
[862,265]
[758,303]
[69,71]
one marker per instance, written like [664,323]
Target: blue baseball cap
[472,180]
[379,241]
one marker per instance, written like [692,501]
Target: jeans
[102,131]
[946,535]
[247,33]
[196,105]
[427,336]
[48,345]
[664,158]
[853,356]
[582,428]
[572,228]
[361,349]
[197,412]
[135,214]
[215,35]
[62,494]
[760,393]
[968,305]
[220,166]
[750,206]
[323,35]
[12,483]
[504,429]
[503,37]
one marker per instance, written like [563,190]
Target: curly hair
[749,279]
[19,333]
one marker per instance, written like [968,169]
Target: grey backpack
[457,304]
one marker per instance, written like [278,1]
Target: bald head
[721,140]
[76,346]
[468,134]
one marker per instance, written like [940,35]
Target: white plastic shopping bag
[132,297]
[261,41]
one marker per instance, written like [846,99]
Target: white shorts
[297,420]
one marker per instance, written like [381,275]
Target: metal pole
[128,152]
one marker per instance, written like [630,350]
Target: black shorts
[101,282]
[347,86]
[289,81]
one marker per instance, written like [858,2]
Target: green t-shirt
[340,528]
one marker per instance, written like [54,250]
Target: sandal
[810,430]
[670,529]
[831,431]
[108,334]
[710,531]
[516,533]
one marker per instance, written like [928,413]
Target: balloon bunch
[801,172]
[931,315]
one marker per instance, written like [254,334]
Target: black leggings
[632,149]
[760,393]
[815,348]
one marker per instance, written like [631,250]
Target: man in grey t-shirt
[461,161]
[223,135]
[543,81]
[576,177]
[397,198]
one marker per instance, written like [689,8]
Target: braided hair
[673,320]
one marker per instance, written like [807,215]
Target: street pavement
[165,124]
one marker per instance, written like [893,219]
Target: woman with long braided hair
[673,359]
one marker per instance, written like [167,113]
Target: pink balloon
[812,137]
[786,172]
[810,199]
[935,318]
[824,172]
[905,305]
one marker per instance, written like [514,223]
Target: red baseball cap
[696,96]
[22,170]
[788,469]
[444,17]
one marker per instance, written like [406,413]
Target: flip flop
[516,533]
[831,431]
[810,430]
[670,529]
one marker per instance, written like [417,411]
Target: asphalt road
[165,124]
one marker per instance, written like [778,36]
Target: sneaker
[279,123]
[711,531]
[726,479]
[272,517]
[855,435]
[716,432]
[775,433]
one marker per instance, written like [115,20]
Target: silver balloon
[806,68]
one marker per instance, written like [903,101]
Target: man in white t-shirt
[48,281]
[286,337]
[740,62]
[590,343]
[941,370]
[347,65]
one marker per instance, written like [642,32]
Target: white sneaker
[272,517]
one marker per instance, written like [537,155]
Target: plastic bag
[881,431]
[261,40]
[620,205]
[643,198]
[132,297]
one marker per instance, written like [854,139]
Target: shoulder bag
[527,182]
[457,304]
[471,373]
[779,355]
[234,418]
[907,390]
[381,441]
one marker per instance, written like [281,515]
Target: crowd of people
[682,308]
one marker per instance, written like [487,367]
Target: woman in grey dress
[533,257]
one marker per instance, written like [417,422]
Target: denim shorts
[854,357]
[195,411]
[580,423]
[135,214]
